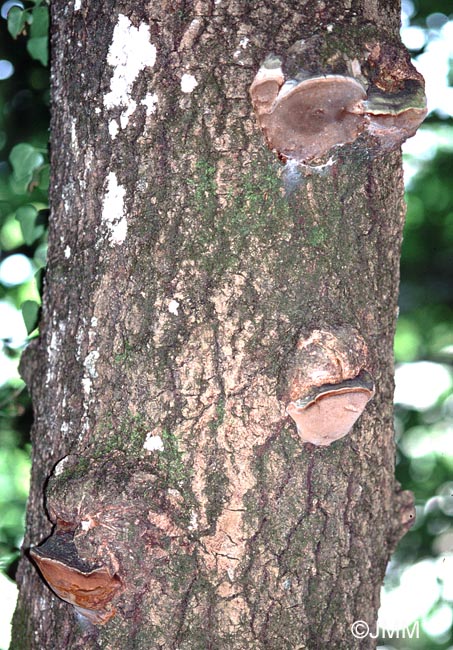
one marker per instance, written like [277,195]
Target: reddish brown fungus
[89,590]
[309,118]
[329,412]
[304,120]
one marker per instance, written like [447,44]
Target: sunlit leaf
[24,159]
[30,312]
[16,21]
[27,216]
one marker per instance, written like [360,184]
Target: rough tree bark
[187,270]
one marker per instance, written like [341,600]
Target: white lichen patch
[113,211]
[188,83]
[292,175]
[90,363]
[242,46]
[80,335]
[193,525]
[113,129]
[73,133]
[59,467]
[87,524]
[173,307]
[53,351]
[130,52]
[90,371]
[176,494]
[86,385]
[153,443]
[150,101]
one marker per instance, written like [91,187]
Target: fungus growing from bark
[324,357]
[89,589]
[392,118]
[303,119]
[326,385]
[266,85]
[330,411]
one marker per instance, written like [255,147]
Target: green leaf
[38,279]
[32,223]
[24,159]
[16,21]
[40,260]
[44,178]
[26,216]
[30,312]
[40,23]
[5,209]
[38,49]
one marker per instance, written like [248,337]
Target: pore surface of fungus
[89,589]
[327,386]
[330,411]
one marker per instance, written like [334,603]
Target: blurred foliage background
[24,123]
[419,583]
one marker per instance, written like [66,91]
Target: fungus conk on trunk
[304,119]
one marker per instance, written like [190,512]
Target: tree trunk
[196,284]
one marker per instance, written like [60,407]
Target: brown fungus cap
[89,589]
[304,118]
[307,119]
[393,118]
[331,413]
[327,384]
[265,87]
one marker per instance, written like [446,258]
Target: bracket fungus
[303,119]
[89,589]
[330,411]
[327,386]
[392,118]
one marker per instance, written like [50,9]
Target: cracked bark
[236,535]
